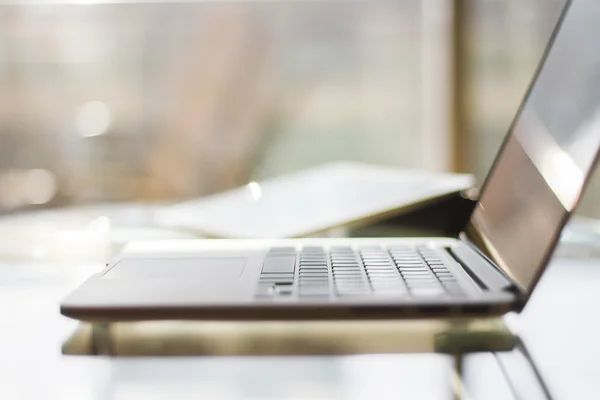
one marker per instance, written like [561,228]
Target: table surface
[46,254]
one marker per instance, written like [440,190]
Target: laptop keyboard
[397,270]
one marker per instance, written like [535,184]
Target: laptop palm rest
[206,270]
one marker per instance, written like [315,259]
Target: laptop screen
[538,176]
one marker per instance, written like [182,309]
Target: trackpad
[205,269]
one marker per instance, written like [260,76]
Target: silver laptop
[492,267]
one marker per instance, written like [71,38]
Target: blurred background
[157,102]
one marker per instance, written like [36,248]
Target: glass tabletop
[35,276]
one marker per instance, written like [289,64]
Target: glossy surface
[562,342]
[540,174]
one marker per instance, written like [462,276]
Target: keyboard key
[284,290]
[410,267]
[314,278]
[349,282]
[282,281]
[348,278]
[410,264]
[314,292]
[319,274]
[342,271]
[347,274]
[416,273]
[387,270]
[382,271]
[375,263]
[353,285]
[313,269]
[320,286]
[275,264]
[313,281]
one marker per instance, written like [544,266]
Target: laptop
[490,268]
[313,202]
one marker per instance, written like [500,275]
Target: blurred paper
[312,201]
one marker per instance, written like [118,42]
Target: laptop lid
[548,155]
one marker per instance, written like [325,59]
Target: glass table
[44,255]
